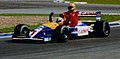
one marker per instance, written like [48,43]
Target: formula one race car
[51,32]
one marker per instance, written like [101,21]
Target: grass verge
[11,29]
[17,14]
[98,1]
[108,18]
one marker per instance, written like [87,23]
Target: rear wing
[91,14]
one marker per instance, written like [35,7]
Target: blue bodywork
[46,32]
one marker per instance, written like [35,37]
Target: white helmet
[59,19]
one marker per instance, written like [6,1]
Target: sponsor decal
[82,31]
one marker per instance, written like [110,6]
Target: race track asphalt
[82,48]
[47,7]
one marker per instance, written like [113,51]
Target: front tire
[61,34]
[21,30]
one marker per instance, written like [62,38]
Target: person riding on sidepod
[65,20]
[71,16]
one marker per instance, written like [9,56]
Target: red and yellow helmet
[71,6]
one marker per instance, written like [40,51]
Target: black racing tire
[60,34]
[66,35]
[101,29]
[21,29]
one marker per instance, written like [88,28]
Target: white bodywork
[82,30]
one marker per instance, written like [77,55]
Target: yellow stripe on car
[51,25]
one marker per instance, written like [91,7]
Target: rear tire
[101,29]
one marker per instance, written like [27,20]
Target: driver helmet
[71,7]
[59,19]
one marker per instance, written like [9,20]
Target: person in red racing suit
[71,16]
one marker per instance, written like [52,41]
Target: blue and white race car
[51,32]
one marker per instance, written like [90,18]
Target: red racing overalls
[71,18]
